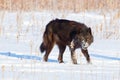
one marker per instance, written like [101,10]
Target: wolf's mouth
[84,45]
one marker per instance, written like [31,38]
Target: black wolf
[66,33]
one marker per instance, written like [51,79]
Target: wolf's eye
[87,39]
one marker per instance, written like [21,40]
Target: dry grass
[62,5]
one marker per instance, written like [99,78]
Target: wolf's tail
[42,47]
[48,38]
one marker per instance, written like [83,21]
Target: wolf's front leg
[85,52]
[73,57]
[72,49]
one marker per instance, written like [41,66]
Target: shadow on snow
[9,54]
[31,57]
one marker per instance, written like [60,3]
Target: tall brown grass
[70,5]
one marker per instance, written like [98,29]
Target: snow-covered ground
[20,59]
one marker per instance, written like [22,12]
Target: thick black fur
[62,32]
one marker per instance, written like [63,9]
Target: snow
[21,36]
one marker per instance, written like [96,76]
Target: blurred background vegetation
[61,5]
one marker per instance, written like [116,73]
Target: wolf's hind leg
[61,51]
[48,50]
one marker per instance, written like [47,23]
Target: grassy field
[61,5]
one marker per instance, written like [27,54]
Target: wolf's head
[83,39]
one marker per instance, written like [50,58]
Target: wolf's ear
[89,30]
